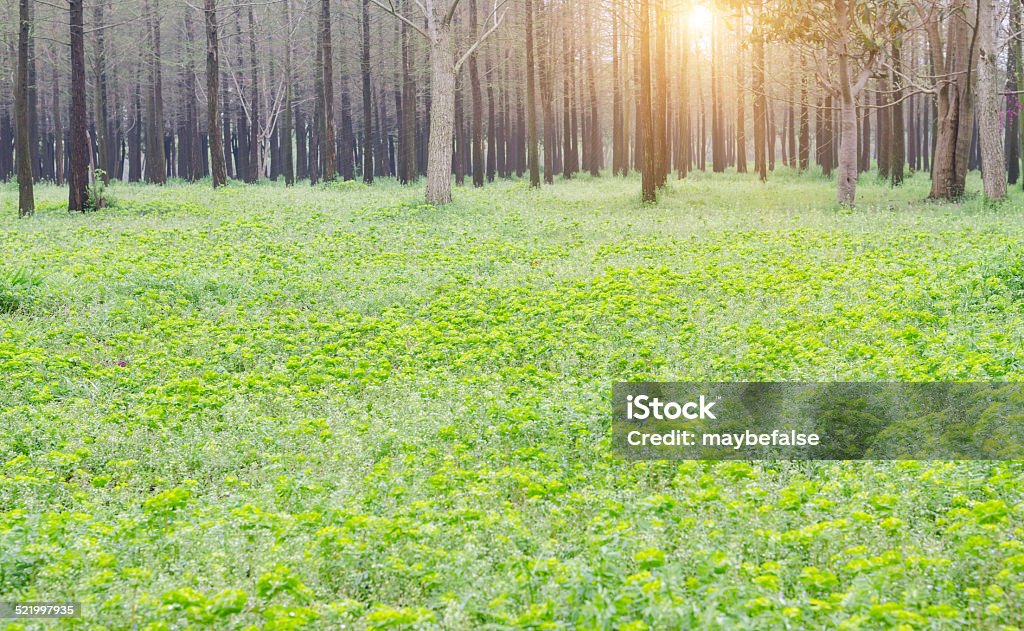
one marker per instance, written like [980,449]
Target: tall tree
[897,130]
[953,65]
[990,102]
[287,128]
[531,100]
[367,102]
[255,123]
[407,170]
[218,170]
[326,145]
[649,182]
[760,98]
[23,151]
[478,107]
[437,17]
[78,175]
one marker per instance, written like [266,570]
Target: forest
[312,313]
[296,90]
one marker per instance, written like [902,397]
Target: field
[314,407]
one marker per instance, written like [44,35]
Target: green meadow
[338,407]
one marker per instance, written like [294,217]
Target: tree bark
[218,171]
[990,100]
[897,131]
[367,96]
[255,122]
[442,115]
[23,150]
[78,177]
[955,103]
[649,182]
[760,99]
[531,101]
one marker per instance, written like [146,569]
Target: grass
[311,407]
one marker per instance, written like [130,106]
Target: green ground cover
[311,407]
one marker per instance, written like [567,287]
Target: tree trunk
[78,177]
[760,99]
[156,160]
[23,150]
[442,116]
[990,105]
[326,145]
[897,131]
[255,123]
[218,171]
[531,101]
[955,107]
[596,151]
[367,96]
[478,107]
[649,182]
[407,171]
[287,131]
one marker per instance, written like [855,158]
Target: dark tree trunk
[156,160]
[326,144]
[287,125]
[897,138]
[478,106]
[103,140]
[78,177]
[255,132]
[367,97]
[407,171]
[23,151]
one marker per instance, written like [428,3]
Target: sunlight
[700,18]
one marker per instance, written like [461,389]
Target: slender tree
[218,170]
[78,175]
[23,151]
[649,181]
[531,100]
[367,94]
[326,146]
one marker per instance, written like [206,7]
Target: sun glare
[700,18]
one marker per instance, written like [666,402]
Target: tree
[367,103]
[326,145]
[649,181]
[23,150]
[478,107]
[843,37]
[531,101]
[78,175]
[444,67]
[990,102]
[953,62]
[218,170]
[407,129]
[287,128]
[897,131]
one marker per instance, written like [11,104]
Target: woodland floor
[312,406]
